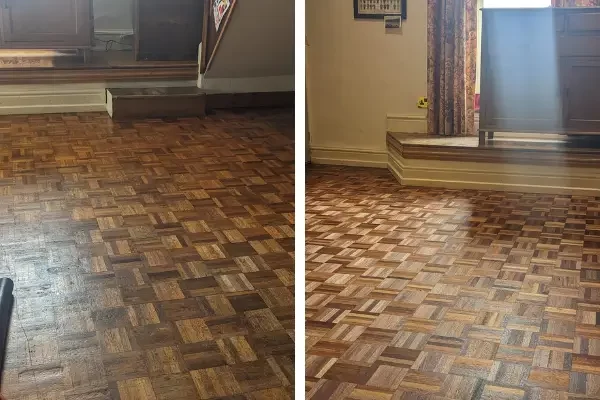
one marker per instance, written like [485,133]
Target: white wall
[257,49]
[357,74]
[113,16]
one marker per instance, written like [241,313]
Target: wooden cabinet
[540,71]
[581,83]
[58,24]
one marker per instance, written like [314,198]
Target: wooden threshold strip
[181,71]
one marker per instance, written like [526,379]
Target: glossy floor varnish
[416,293]
[151,259]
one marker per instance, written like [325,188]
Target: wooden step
[132,103]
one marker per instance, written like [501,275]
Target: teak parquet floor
[151,259]
[418,293]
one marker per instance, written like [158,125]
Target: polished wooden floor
[415,293]
[151,259]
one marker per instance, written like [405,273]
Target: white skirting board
[67,97]
[350,157]
[284,83]
[555,179]
[367,157]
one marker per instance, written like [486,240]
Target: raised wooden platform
[558,164]
[17,68]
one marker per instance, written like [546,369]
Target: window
[516,3]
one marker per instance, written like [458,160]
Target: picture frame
[378,15]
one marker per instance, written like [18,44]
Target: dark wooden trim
[582,158]
[206,17]
[136,30]
[180,71]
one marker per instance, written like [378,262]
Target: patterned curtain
[451,64]
[575,3]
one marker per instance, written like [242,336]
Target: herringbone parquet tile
[151,259]
[416,293]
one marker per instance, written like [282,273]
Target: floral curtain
[451,64]
[575,3]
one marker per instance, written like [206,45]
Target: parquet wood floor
[151,259]
[417,293]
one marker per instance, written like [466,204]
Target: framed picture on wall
[378,9]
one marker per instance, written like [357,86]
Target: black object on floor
[6,304]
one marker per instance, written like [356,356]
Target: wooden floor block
[420,293]
[132,246]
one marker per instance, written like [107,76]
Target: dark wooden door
[46,23]
[168,30]
[581,83]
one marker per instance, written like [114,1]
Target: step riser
[156,107]
[216,101]
[139,103]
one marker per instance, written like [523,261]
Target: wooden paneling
[583,22]
[582,97]
[151,259]
[168,29]
[48,24]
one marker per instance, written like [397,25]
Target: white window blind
[516,3]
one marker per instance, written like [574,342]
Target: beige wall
[259,41]
[357,74]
